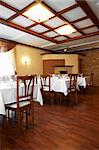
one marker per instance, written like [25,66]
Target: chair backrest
[25,85]
[91,78]
[46,81]
[73,82]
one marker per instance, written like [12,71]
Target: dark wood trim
[90,49]
[52,29]
[87,27]
[72,22]
[59,13]
[13,25]
[80,37]
[62,18]
[8,6]
[77,20]
[47,50]
[66,9]
[84,5]
[20,12]
[64,66]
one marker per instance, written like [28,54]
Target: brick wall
[90,64]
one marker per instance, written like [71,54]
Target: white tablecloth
[61,84]
[8,95]
[81,81]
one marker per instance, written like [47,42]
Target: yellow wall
[35,65]
[70,59]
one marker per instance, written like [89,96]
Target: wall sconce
[25,60]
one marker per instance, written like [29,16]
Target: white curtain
[7,66]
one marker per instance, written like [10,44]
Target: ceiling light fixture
[38,12]
[65,50]
[65,30]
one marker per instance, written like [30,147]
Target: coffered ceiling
[81,15]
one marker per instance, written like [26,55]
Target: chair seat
[45,88]
[21,104]
[72,90]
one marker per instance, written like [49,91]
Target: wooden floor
[60,127]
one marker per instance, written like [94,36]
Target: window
[6,64]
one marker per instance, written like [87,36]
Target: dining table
[8,94]
[61,83]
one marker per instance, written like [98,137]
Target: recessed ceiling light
[65,50]
[65,30]
[38,13]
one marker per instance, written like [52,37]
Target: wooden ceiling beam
[87,27]
[47,50]
[46,26]
[8,6]
[27,7]
[21,11]
[62,18]
[72,22]
[13,25]
[65,10]
[55,29]
[57,14]
[32,25]
[79,37]
[77,20]
[84,5]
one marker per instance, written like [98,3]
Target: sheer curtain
[7,64]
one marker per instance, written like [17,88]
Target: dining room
[49,75]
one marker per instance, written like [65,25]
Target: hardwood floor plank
[59,127]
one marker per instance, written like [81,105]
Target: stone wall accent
[90,64]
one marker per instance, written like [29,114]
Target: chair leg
[4,121]
[76,98]
[27,117]
[19,121]
[32,113]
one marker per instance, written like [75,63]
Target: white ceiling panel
[84,23]
[58,5]
[11,33]
[32,40]
[55,22]
[60,38]
[74,34]
[20,20]
[39,28]
[74,43]
[51,34]
[18,4]
[90,30]
[21,37]
[5,13]
[74,14]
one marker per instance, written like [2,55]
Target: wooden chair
[89,81]
[24,99]
[72,88]
[46,88]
